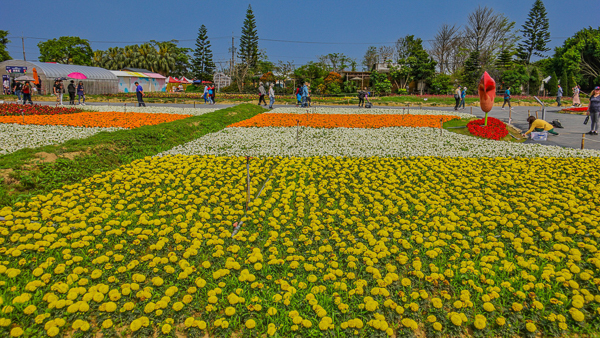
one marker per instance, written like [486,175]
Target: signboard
[16,69]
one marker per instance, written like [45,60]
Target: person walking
[559,96]
[205,94]
[17,86]
[210,95]
[594,110]
[271,96]
[539,125]
[308,99]
[576,99]
[27,93]
[463,94]
[457,94]
[304,94]
[361,97]
[261,94]
[298,95]
[81,93]
[56,90]
[507,98]
[6,87]
[139,92]
[71,90]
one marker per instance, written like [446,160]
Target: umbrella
[197,81]
[61,78]
[206,81]
[24,78]
[356,78]
[78,76]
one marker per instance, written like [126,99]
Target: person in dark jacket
[594,110]
[71,90]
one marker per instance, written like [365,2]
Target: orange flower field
[344,120]
[96,119]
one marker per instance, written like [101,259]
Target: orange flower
[96,119]
[344,120]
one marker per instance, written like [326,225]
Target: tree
[515,77]
[564,82]
[535,81]
[472,71]
[486,31]
[380,83]
[505,60]
[444,43]
[268,77]
[285,70]
[401,75]
[370,58]
[580,55]
[70,50]
[248,51]
[335,62]
[333,82]
[536,33]
[98,59]
[203,66]
[3,42]
[441,84]
[552,84]
[414,63]
[239,74]
[422,65]
[310,72]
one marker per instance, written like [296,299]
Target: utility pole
[232,55]
[23,42]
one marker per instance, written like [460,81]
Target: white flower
[152,110]
[15,136]
[355,142]
[372,111]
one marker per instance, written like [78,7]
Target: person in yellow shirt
[539,125]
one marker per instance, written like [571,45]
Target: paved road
[570,136]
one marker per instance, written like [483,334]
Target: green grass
[104,151]
[455,127]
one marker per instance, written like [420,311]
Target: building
[151,82]
[99,80]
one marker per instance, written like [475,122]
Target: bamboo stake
[536,114]
[247,182]
[582,140]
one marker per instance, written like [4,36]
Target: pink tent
[185,80]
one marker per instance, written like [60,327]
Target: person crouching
[539,125]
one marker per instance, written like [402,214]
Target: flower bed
[152,109]
[576,109]
[356,142]
[7,109]
[449,247]
[371,111]
[96,119]
[495,129]
[14,137]
[344,121]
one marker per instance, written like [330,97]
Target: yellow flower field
[333,246]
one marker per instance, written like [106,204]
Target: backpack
[361,94]
[557,124]
[368,105]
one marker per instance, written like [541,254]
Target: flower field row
[152,110]
[371,111]
[95,119]
[26,109]
[344,120]
[333,246]
[355,142]
[14,137]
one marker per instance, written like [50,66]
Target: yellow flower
[53,331]
[456,320]
[230,311]
[178,306]
[272,311]
[500,321]
[201,324]
[489,307]
[250,323]
[16,332]
[517,307]
[406,282]
[135,325]
[166,329]
[107,324]
[480,322]
[531,327]
[437,326]
[577,315]
[29,310]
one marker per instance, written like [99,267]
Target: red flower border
[495,129]
[10,109]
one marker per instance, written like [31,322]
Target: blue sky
[353,24]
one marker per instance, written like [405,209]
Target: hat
[597,88]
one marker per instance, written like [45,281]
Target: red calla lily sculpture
[487,94]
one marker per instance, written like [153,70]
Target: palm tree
[113,58]
[146,57]
[98,59]
[165,58]
[130,56]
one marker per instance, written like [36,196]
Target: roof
[121,73]
[52,70]
[137,70]
[154,75]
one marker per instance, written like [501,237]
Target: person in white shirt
[271,96]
